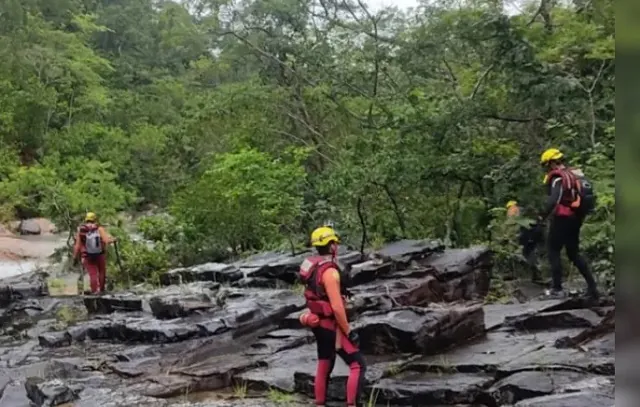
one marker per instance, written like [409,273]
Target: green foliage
[63,191]
[247,195]
[141,261]
[253,126]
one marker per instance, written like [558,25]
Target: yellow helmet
[324,235]
[90,217]
[511,203]
[550,155]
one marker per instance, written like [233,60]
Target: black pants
[564,232]
[529,239]
[530,255]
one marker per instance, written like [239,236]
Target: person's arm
[104,236]
[77,247]
[331,284]
[555,194]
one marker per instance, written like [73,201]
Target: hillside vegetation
[245,124]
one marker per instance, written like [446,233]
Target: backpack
[93,242]
[578,193]
[588,198]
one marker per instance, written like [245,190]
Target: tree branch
[480,80]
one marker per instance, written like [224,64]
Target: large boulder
[50,393]
[436,276]
[36,226]
[464,273]
[29,227]
[419,330]
[391,257]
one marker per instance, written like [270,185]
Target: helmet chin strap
[334,250]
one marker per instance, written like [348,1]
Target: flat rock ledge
[227,335]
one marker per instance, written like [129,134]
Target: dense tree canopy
[253,121]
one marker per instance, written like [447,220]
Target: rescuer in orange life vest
[327,318]
[570,199]
[91,245]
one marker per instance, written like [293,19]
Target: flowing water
[22,254]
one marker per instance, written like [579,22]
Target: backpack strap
[311,272]
[571,188]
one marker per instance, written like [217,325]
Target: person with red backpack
[327,318]
[570,200]
[91,245]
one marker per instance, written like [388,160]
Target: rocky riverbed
[226,335]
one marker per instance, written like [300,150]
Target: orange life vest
[311,273]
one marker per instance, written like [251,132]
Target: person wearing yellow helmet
[90,247]
[570,198]
[529,238]
[327,318]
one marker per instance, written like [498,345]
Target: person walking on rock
[327,318]
[569,200]
[528,238]
[91,244]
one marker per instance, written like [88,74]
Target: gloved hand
[354,338]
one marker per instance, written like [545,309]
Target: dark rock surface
[581,399]
[426,389]
[529,384]
[577,318]
[49,393]
[412,329]
[228,335]
[22,287]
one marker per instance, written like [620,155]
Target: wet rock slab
[107,304]
[164,303]
[126,329]
[496,314]
[106,397]
[384,295]
[279,369]
[418,330]
[377,369]
[531,384]
[426,389]
[392,257]
[294,370]
[551,358]
[217,272]
[22,287]
[237,308]
[464,273]
[49,393]
[447,276]
[214,368]
[488,353]
[581,399]
[14,395]
[404,251]
[182,301]
[577,318]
